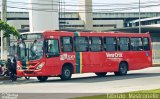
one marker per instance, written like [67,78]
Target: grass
[148,91]
[139,94]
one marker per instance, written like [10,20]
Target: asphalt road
[87,83]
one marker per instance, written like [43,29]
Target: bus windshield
[36,50]
[30,46]
[31,50]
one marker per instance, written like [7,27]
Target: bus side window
[146,44]
[81,44]
[96,44]
[66,44]
[52,48]
[110,44]
[123,44]
[136,44]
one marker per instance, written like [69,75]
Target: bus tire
[102,74]
[123,68]
[42,78]
[27,78]
[66,72]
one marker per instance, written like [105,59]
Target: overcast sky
[116,5]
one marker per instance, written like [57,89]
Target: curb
[156,65]
[4,78]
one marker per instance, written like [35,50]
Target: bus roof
[66,33]
[87,33]
[35,32]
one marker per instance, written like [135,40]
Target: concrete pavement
[88,83]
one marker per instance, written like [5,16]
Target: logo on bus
[114,55]
[67,57]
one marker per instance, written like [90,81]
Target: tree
[8,30]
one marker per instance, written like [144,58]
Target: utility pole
[3,18]
[59,14]
[139,16]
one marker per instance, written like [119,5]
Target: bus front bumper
[29,73]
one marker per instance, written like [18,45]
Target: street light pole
[3,18]
[139,16]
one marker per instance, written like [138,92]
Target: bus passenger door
[52,57]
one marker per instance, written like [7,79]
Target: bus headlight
[19,67]
[40,66]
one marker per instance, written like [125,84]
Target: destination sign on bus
[31,36]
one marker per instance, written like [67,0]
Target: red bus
[63,53]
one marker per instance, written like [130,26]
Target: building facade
[100,21]
[153,21]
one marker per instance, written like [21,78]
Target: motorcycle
[13,76]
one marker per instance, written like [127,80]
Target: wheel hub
[67,72]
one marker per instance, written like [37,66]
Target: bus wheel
[27,78]
[123,68]
[66,73]
[101,74]
[42,78]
